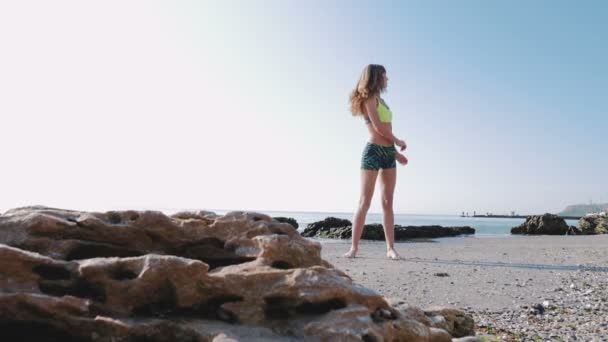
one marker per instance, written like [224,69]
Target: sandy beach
[494,278]
[487,273]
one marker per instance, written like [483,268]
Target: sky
[244,104]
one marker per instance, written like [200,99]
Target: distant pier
[521,216]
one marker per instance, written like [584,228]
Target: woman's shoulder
[372,100]
[376,99]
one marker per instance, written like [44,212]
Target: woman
[379,155]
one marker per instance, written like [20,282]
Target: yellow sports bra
[384,112]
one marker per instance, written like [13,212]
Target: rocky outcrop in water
[547,224]
[334,228]
[193,276]
[594,224]
[289,220]
[572,230]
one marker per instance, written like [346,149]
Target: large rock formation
[547,224]
[594,224]
[334,228]
[193,276]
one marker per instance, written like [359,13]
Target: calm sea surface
[484,227]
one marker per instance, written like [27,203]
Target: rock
[547,224]
[334,228]
[572,230]
[439,322]
[289,220]
[453,321]
[206,216]
[538,309]
[460,324]
[324,227]
[215,240]
[413,232]
[193,276]
[593,224]
[469,339]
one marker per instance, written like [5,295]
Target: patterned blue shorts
[377,157]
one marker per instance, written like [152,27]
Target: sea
[484,226]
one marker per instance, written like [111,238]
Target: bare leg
[388,179]
[368,182]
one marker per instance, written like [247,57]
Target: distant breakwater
[521,216]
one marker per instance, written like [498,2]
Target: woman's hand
[401,144]
[401,158]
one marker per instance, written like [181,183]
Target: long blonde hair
[370,84]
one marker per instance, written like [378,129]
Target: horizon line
[173,209]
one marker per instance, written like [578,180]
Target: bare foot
[392,254]
[351,253]
[401,158]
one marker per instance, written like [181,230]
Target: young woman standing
[379,155]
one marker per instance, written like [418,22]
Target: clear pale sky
[243,104]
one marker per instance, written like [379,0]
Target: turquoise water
[484,227]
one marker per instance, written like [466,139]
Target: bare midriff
[375,137]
